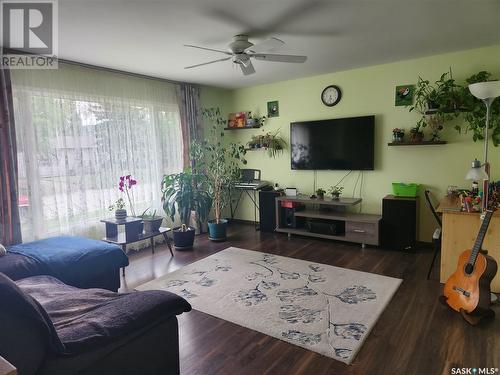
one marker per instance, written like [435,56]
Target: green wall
[366,91]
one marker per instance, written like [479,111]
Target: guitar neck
[480,237]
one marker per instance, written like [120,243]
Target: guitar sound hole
[469,268]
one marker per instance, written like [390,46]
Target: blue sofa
[76,261]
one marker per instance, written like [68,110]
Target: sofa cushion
[76,261]
[17,303]
[84,318]
[3,250]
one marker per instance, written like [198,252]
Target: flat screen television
[335,144]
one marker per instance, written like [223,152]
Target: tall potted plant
[184,193]
[220,163]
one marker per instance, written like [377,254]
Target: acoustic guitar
[468,289]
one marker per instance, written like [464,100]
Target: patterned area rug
[326,309]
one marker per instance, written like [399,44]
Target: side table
[132,234]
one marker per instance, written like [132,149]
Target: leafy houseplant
[336,191]
[320,193]
[183,193]
[437,102]
[220,164]
[275,144]
[475,116]
[152,223]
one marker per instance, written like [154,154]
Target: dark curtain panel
[10,226]
[190,111]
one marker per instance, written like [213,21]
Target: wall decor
[237,120]
[404,95]
[273,109]
[331,95]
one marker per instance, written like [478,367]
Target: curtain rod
[102,68]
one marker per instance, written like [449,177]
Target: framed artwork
[273,109]
[404,95]
[237,120]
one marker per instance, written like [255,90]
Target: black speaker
[288,217]
[399,222]
[267,210]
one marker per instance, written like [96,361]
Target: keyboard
[255,185]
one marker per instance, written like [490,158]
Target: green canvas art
[404,95]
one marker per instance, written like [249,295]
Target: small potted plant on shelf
[436,126]
[275,144]
[398,134]
[320,193]
[336,192]
[119,208]
[416,135]
[152,223]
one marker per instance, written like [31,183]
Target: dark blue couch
[76,261]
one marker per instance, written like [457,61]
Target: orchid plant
[125,185]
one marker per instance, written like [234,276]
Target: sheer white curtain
[78,131]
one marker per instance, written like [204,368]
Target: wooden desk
[459,233]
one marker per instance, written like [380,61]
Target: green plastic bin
[401,189]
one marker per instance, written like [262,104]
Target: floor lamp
[487,92]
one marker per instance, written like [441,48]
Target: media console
[326,218]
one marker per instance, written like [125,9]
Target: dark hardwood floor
[414,335]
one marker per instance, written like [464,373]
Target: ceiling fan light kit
[242,51]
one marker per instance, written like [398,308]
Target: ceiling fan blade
[271,44]
[207,63]
[279,58]
[208,49]
[247,68]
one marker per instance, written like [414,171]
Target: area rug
[326,309]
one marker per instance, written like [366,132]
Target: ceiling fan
[241,51]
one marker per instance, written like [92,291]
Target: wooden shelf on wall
[256,149]
[421,143]
[244,127]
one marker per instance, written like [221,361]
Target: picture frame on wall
[273,109]
[404,95]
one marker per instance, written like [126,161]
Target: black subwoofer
[267,210]
[399,222]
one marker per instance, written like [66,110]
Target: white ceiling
[147,37]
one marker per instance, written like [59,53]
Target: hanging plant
[475,116]
[441,99]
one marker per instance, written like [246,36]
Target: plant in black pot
[152,222]
[221,166]
[119,208]
[183,193]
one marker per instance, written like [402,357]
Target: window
[78,130]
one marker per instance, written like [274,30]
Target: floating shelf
[422,143]
[244,127]
[447,110]
[256,149]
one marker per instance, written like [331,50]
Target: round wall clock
[331,95]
